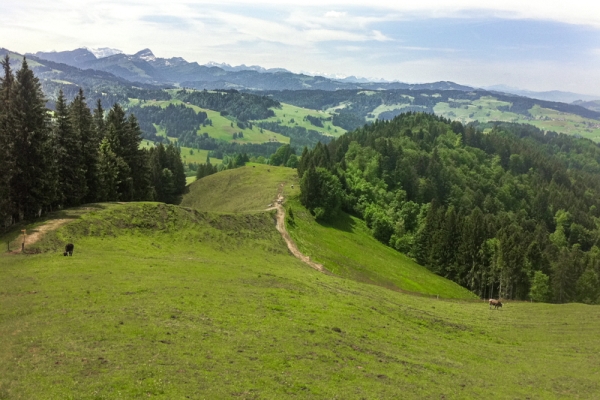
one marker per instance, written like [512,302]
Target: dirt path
[36,234]
[278,205]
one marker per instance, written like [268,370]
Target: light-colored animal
[496,303]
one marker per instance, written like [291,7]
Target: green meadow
[486,109]
[289,115]
[205,301]
[248,189]
[223,128]
[347,248]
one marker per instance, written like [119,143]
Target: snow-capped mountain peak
[102,52]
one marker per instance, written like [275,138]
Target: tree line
[514,213]
[53,160]
[243,106]
[177,120]
[300,137]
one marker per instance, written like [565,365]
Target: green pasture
[552,120]
[346,247]
[486,109]
[166,302]
[483,109]
[289,115]
[188,155]
[221,126]
[383,108]
[247,189]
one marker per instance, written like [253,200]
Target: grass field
[247,189]
[486,109]
[289,115]
[347,248]
[164,302]
[221,126]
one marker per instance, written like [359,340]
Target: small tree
[321,193]
[540,287]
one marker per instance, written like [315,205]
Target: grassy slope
[221,127]
[287,112]
[347,248]
[168,303]
[250,188]
[542,118]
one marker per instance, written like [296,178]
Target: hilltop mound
[246,189]
[345,247]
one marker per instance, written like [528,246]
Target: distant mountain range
[145,67]
[114,77]
[552,95]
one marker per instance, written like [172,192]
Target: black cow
[69,249]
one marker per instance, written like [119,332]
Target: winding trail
[278,205]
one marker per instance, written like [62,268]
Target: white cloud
[351,37]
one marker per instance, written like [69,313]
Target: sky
[526,44]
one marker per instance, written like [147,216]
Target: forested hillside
[50,161]
[513,213]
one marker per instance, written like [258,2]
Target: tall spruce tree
[85,130]
[125,136]
[109,165]
[6,143]
[71,173]
[116,126]
[99,123]
[175,165]
[31,184]
[137,159]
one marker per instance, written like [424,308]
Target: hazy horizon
[534,46]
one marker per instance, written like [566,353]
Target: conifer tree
[32,182]
[85,130]
[71,174]
[99,123]
[6,143]
[108,172]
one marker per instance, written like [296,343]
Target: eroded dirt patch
[278,205]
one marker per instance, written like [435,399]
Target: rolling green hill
[223,128]
[459,105]
[248,189]
[166,302]
[346,247]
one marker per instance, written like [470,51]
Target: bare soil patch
[34,235]
[278,205]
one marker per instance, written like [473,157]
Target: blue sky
[530,45]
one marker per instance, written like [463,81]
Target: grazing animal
[496,303]
[69,249]
[292,186]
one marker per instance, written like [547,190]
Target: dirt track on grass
[36,234]
[278,205]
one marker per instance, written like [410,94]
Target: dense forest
[514,213]
[243,106]
[72,156]
[178,121]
